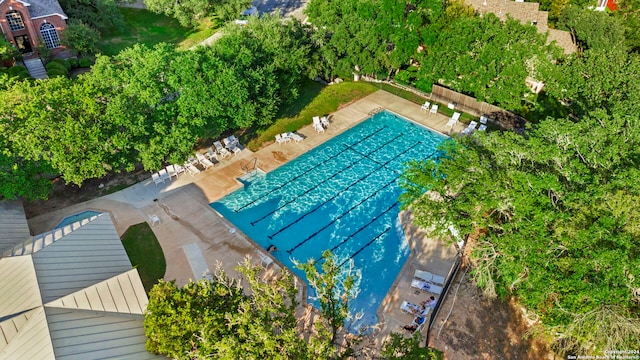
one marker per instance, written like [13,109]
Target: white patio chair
[204,161]
[483,119]
[469,129]
[319,128]
[191,169]
[221,150]
[232,145]
[482,127]
[451,123]
[171,170]
[156,179]
[409,308]
[324,121]
[164,175]
[179,169]
[297,138]
[456,116]
[434,109]
[280,139]
[211,154]
[451,106]
[425,106]
[155,220]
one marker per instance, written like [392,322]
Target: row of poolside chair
[206,160]
[167,174]
[320,123]
[286,137]
[426,281]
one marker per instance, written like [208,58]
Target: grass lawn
[315,99]
[145,254]
[143,26]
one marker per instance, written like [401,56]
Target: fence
[450,278]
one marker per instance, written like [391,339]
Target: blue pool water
[342,196]
[76,217]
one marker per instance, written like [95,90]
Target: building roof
[42,8]
[73,296]
[13,224]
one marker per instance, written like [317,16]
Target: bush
[63,63]
[19,71]
[84,63]
[53,65]
[56,72]
[404,77]
[72,62]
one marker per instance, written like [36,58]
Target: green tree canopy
[552,221]
[190,12]
[102,15]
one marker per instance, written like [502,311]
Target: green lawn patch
[315,99]
[145,254]
[145,27]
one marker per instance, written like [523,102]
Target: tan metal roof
[82,258]
[122,294]
[31,340]
[18,286]
[13,224]
[93,300]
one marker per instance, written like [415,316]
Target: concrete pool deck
[194,237]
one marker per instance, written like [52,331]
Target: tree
[216,319]
[333,287]
[594,29]
[8,53]
[80,38]
[399,347]
[551,219]
[102,15]
[190,13]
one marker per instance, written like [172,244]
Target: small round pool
[77,217]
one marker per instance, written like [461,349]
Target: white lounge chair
[324,121]
[451,123]
[156,179]
[171,170]
[482,127]
[451,106]
[179,169]
[211,154]
[456,116]
[281,139]
[232,144]
[469,129]
[428,277]
[164,175]
[425,106]
[483,119]
[410,308]
[204,161]
[316,120]
[434,109]
[297,138]
[191,169]
[221,150]
[425,286]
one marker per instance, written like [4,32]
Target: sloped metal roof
[122,294]
[31,341]
[13,224]
[93,300]
[84,257]
[18,286]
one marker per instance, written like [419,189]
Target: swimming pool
[77,217]
[342,196]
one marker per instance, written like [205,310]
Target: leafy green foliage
[553,217]
[80,38]
[8,53]
[216,319]
[189,13]
[594,29]
[399,347]
[102,15]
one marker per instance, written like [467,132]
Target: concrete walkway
[195,238]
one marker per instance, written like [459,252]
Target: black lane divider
[364,226]
[308,170]
[366,245]
[331,199]
[253,223]
[329,224]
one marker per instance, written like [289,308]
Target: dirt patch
[62,195]
[479,328]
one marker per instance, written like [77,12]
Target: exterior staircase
[35,68]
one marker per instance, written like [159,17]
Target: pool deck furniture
[156,179]
[324,121]
[434,109]
[221,150]
[164,175]
[295,137]
[428,277]
[232,144]
[282,139]
[191,169]
[425,286]
[470,129]
[425,106]
[211,154]
[204,161]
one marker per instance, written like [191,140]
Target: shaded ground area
[479,328]
[63,195]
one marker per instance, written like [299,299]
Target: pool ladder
[250,166]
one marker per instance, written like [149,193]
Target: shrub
[53,65]
[63,63]
[56,72]
[19,71]
[72,62]
[84,63]
[404,77]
